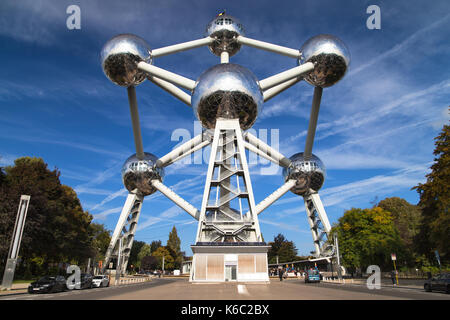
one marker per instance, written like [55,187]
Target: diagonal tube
[183,150]
[280,159]
[281,77]
[172,89]
[277,194]
[181,47]
[183,204]
[167,75]
[272,92]
[293,53]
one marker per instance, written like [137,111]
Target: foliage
[155,245]
[368,237]
[101,238]
[173,246]
[168,259]
[56,228]
[149,263]
[407,218]
[145,251]
[435,202]
[135,249]
[281,247]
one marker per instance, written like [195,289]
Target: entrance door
[230,272]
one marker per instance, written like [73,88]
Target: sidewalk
[402,283]
[16,288]
[22,288]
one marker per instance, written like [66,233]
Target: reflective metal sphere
[310,174]
[227,91]
[330,56]
[120,56]
[137,174]
[224,29]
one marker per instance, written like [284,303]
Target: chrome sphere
[310,174]
[227,91]
[330,56]
[224,29]
[137,174]
[120,56]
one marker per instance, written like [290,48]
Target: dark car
[86,281]
[48,284]
[440,282]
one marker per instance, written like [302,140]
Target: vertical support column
[8,275]
[229,160]
[125,230]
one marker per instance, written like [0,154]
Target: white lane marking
[242,289]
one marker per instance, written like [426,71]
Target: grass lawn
[23,281]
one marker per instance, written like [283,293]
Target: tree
[149,263]
[435,201]
[168,259]
[407,218]
[173,245]
[284,249]
[155,245]
[368,237]
[135,249]
[145,251]
[101,238]
[56,228]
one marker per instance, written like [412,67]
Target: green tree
[368,237]
[155,245]
[168,259]
[281,247]
[173,246]
[407,218]
[435,202]
[101,238]
[135,249]
[145,251]
[56,228]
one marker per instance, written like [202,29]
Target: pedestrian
[393,277]
[280,273]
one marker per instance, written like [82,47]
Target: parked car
[312,275]
[85,281]
[440,282]
[100,281]
[48,284]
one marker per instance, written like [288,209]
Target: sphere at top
[227,91]
[309,174]
[224,29]
[330,56]
[137,174]
[120,56]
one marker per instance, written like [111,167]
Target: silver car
[100,281]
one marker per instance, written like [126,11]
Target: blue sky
[376,126]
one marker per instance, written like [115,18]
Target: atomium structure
[227,99]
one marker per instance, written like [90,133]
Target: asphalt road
[181,289]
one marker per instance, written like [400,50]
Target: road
[181,289]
